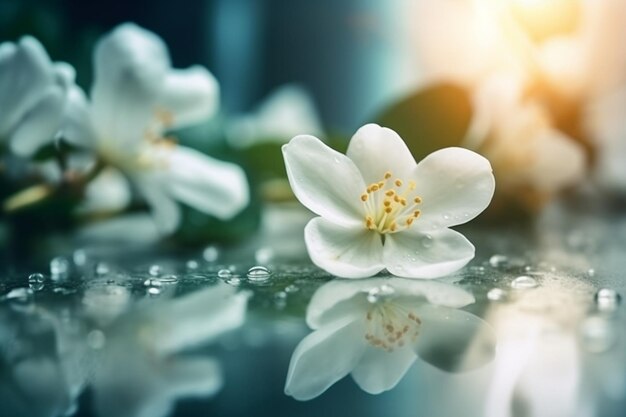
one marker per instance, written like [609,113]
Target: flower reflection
[564,60]
[375,329]
[379,209]
[140,373]
[136,98]
[131,361]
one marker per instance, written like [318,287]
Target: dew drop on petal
[446,216]
[607,300]
[426,241]
[499,261]
[192,265]
[258,274]
[497,294]
[591,272]
[210,253]
[524,282]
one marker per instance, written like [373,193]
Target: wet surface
[533,326]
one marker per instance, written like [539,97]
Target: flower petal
[380,371]
[348,252]
[455,185]
[204,183]
[40,124]
[415,254]
[454,340]
[336,297]
[324,357]
[165,210]
[130,70]
[109,191]
[190,95]
[25,71]
[76,125]
[376,150]
[324,180]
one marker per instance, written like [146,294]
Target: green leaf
[435,117]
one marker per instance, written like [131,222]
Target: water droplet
[499,261]
[224,273]
[168,279]
[528,268]
[524,282]
[291,289]
[155,270]
[375,294]
[607,300]
[591,272]
[264,255]
[234,281]
[102,268]
[59,268]
[80,257]
[426,241]
[192,265]
[36,281]
[210,254]
[446,216]
[597,334]
[258,274]
[154,291]
[337,160]
[497,294]
[152,282]
[280,295]
[96,339]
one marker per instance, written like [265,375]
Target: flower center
[390,205]
[391,325]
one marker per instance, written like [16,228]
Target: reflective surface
[534,326]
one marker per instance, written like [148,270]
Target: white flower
[379,209]
[566,56]
[375,329]
[135,99]
[286,112]
[33,95]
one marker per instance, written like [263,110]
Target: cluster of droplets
[390,206]
[390,325]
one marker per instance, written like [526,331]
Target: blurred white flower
[375,329]
[568,61]
[33,95]
[288,111]
[379,209]
[135,99]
